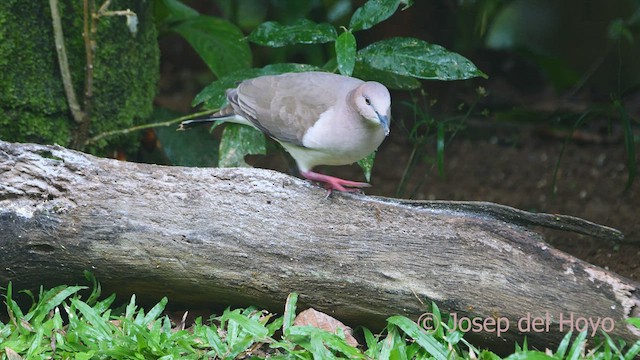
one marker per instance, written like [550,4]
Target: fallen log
[212,237]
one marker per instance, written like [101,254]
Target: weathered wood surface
[208,237]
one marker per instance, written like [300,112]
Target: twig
[89,31]
[76,111]
[146,126]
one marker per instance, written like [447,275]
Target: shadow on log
[215,237]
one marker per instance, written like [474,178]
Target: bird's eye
[367,101]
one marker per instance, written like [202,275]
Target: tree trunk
[211,237]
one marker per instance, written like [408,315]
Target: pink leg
[333,183]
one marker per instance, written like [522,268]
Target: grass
[61,325]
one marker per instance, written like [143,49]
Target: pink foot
[333,183]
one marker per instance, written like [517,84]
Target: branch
[214,237]
[78,114]
[146,126]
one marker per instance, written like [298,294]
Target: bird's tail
[188,124]
[222,115]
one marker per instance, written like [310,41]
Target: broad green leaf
[213,96]
[389,79]
[178,11]
[367,164]
[251,13]
[374,12]
[303,31]
[428,342]
[239,141]
[417,58]
[218,42]
[346,52]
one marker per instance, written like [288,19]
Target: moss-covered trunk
[33,101]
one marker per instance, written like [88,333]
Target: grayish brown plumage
[319,118]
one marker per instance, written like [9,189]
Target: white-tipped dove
[319,118]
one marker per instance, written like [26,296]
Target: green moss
[32,98]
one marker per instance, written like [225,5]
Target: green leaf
[155,312]
[635,321]
[633,351]
[367,164]
[389,343]
[428,342]
[374,12]
[372,343]
[417,58]
[346,52]
[303,31]
[390,80]
[218,42]
[213,96]
[564,345]
[253,327]
[52,298]
[578,344]
[178,11]
[239,141]
[93,317]
[289,311]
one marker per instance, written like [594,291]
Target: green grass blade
[36,344]
[576,349]
[289,311]
[634,321]
[319,351]
[428,342]
[251,326]
[52,298]
[96,289]
[155,312]
[564,345]
[94,318]
[610,345]
[372,343]
[214,341]
[130,310]
[388,344]
[633,351]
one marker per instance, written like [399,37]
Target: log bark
[211,237]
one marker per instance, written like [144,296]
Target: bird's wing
[286,106]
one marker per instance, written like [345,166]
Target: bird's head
[373,102]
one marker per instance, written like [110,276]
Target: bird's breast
[339,141]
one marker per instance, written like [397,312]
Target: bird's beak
[384,121]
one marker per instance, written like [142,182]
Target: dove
[319,118]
